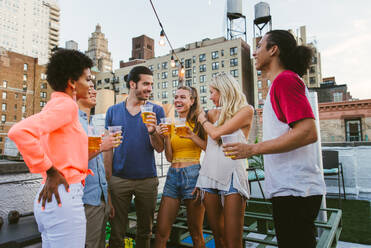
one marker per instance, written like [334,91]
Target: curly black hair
[66,65]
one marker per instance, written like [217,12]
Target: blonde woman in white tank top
[222,181]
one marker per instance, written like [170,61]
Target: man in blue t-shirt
[131,168]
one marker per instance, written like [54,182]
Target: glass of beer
[180,127]
[166,122]
[227,139]
[94,138]
[146,110]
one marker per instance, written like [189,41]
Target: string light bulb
[162,38]
[181,71]
[172,62]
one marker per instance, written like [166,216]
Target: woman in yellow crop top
[184,154]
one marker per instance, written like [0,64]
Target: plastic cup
[94,138]
[166,122]
[146,110]
[180,127]
[227,139]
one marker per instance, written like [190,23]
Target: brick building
[23,89]
[329,91]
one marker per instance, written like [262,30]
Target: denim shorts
[231,190]
[180,182]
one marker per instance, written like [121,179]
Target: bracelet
[203,122]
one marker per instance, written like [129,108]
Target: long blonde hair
[232,99]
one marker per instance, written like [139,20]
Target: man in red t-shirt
[293,178]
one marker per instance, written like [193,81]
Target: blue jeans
[180,182]
[231,190]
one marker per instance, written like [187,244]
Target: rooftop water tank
[234,9]
[262,13]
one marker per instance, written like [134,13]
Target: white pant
[63,226]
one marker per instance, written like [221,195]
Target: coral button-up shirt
[54,137]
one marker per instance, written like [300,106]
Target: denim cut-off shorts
[231,190]
[180,182]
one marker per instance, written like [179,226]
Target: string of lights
[162,43]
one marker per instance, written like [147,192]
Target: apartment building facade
[23,89]
[202,60]
[30,27]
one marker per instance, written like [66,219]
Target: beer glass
[227,139]
[146,110]
[166,122]
[180,127]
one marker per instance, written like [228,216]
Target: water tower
[236,21]
[262,18]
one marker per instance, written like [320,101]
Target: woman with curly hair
[54,143]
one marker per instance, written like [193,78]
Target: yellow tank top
[184,149]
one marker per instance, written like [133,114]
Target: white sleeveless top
[217,169]
[295,173]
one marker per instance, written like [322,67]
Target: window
[188,82]
[203,99]
[188,63]
[222,63]
[158,85]
[158,67]
[15,106]
[150,67]
[25,67]
[194,59]
[5,84]
[222,53]
[215,55]
[23,109]
[24,77]
[337,96]
[164,65]
[43,94]
[43,76]
[312,80]
[234,73]
[15,95]
[44,86]
[215,65]
[259,73]
[164,85]
[202,78]
[194,69]
[175,83]
[3,107]
[4,95]
[233,51]
[312,69]
[23,97]
[42,103]
[259,84]
[194,80]
[202,68]
[174,73]
[164,102]
[234,62]
[188,73]
[99,82]
[3,118]
[202,89]
[314,60]
[202,57]
[25,87]
[164,75]
[158,75]
[260,96]
[15,118]
[353,130]
[158,95]
[164,94]
[107,80]
[214,74]
[174,91]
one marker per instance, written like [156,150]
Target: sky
[341,28]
